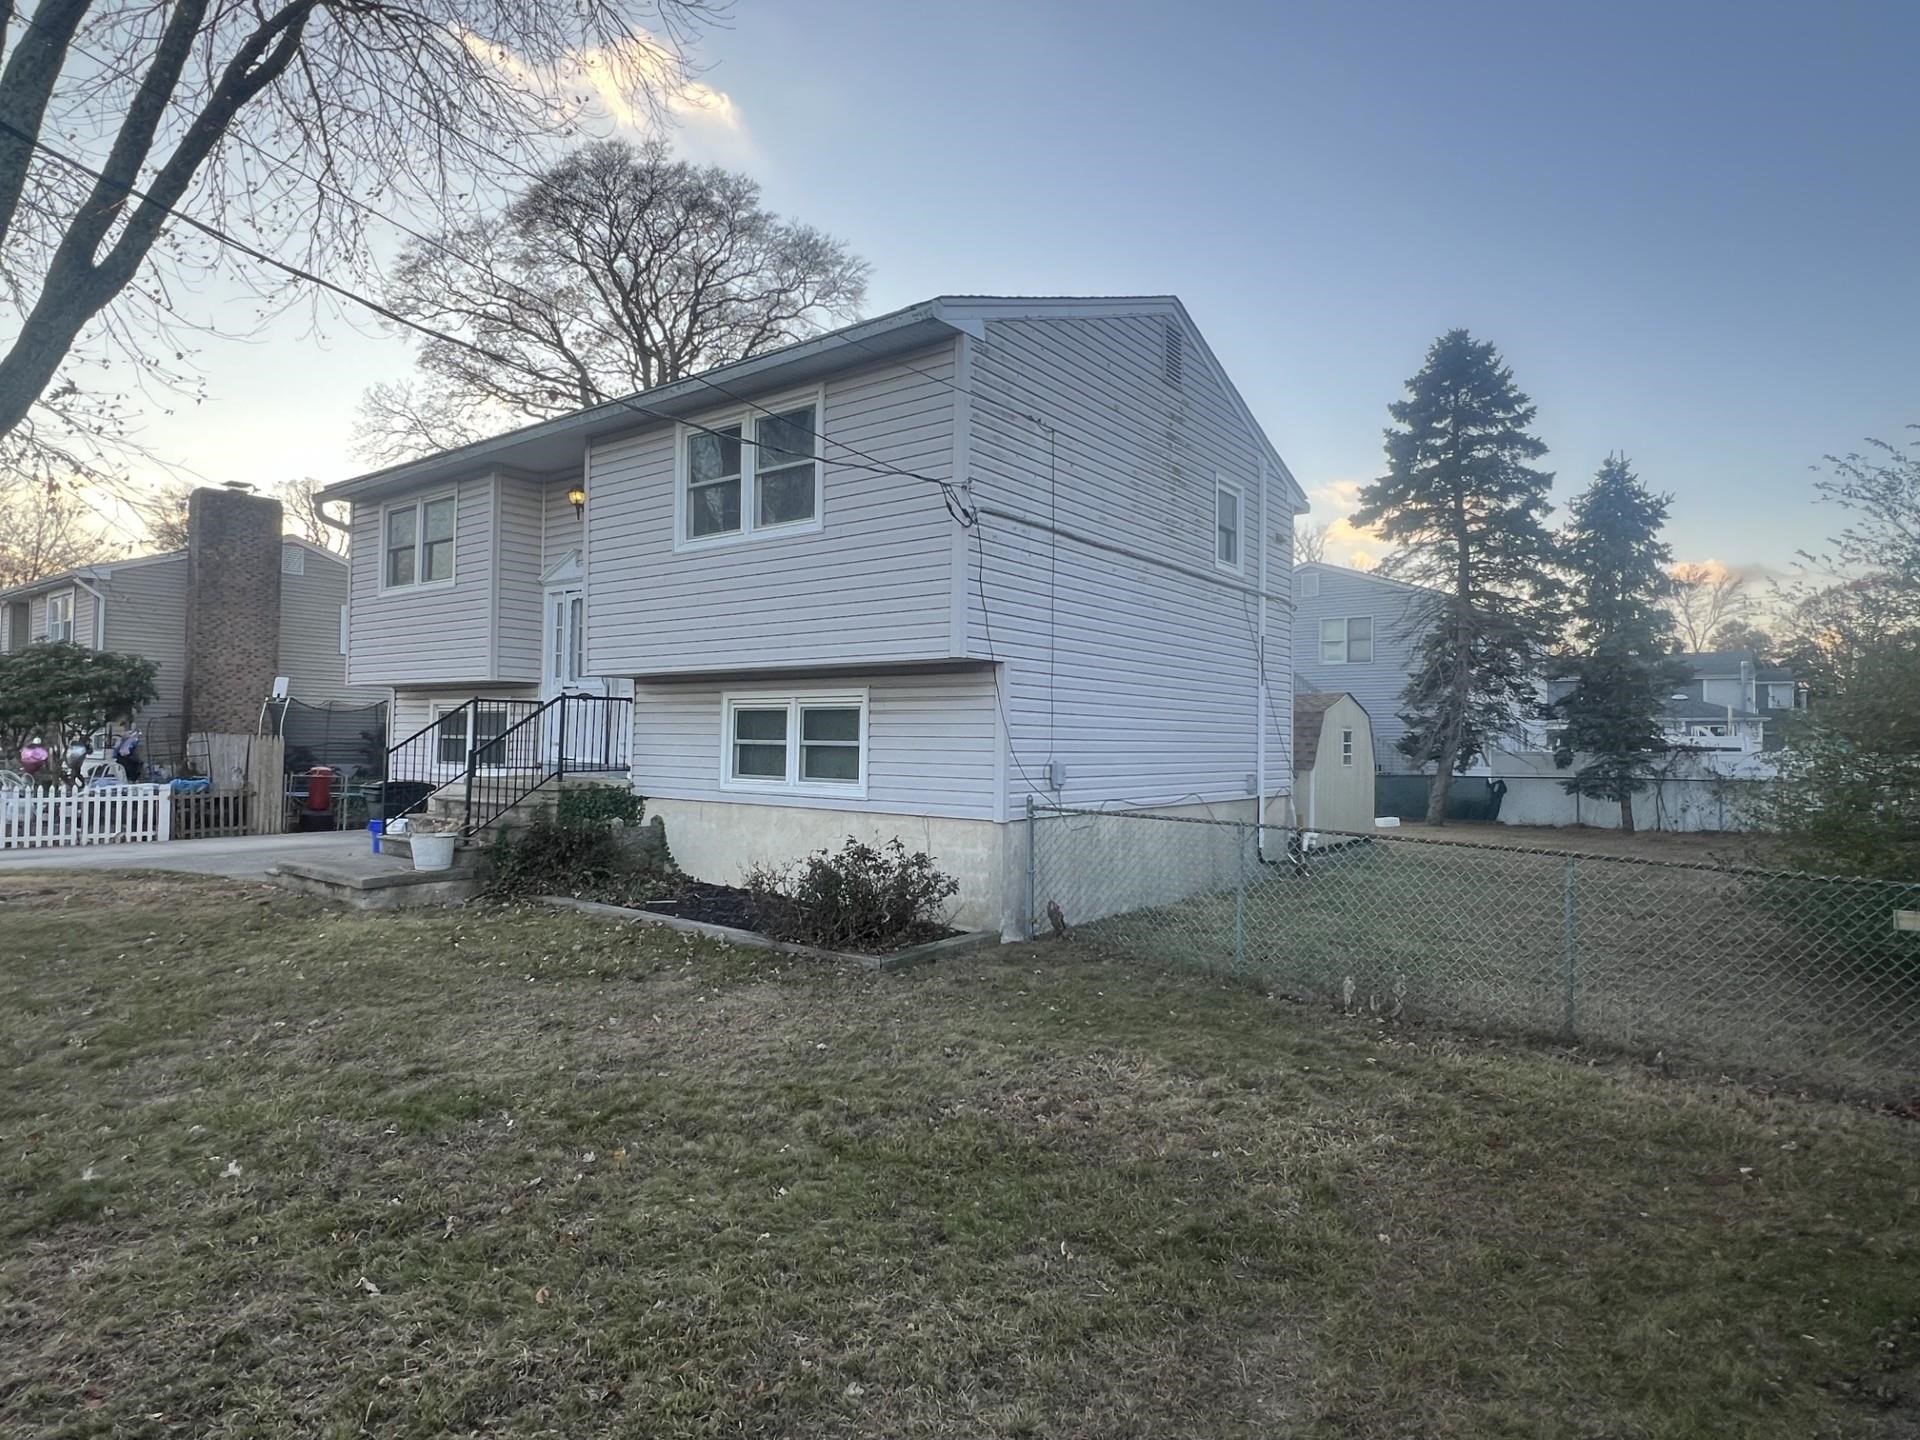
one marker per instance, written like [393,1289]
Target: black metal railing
[488,755]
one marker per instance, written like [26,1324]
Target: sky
[1691,229]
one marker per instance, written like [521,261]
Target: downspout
[1260,682]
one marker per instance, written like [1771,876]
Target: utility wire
[960,512]
[254,252]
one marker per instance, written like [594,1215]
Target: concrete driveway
[245,858]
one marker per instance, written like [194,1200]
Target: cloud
[615,83]
[1347,544]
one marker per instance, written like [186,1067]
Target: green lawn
[273,1170]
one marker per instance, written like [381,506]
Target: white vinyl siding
[313,622]
[1137,672]
[423,635]
[519,601]
[929,742]
[147,616]
[1399,614]
[872,583]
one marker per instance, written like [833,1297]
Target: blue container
[376,828]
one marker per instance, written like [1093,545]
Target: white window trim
[747,418]
[1346,642]
[794,701]
[1238,566]
[1309,586]
[71,598]
[1346,748]
[419,505]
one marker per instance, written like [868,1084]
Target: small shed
[1332,763]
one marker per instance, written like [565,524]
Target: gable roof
[1309,719]
[553,446]
[104,571]
[1373,576]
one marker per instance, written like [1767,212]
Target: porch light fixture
[577,496]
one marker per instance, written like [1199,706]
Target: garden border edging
[899,960]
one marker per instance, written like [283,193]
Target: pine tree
[1465,510]
[1621,669]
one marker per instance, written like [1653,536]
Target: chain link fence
[1808,978]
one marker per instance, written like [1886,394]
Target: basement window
[803,744]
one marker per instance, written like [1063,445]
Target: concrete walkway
[245,858]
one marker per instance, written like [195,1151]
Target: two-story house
[1357,631]
[891,580]
[260,603]
[1731,701]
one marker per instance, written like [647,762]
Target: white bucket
[432,852]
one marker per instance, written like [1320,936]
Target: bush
[603,805]
[593,841]
[855,898]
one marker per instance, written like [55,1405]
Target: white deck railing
[120,815]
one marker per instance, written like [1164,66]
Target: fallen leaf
[368,1286]
[542,1295]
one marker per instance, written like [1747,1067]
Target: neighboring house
[1333,764]
[892,580]
[1731,704]
[153,606]
[1357,632]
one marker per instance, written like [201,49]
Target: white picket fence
[120,815]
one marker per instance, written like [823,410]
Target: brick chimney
[233,607]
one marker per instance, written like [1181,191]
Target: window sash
[418,544]
[1226,526]
[60,616]
[1346,747]
[759,474]
[1346,640]
[797,743]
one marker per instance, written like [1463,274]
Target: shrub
[546,857]
[602,805]
[592,841]
[859,897]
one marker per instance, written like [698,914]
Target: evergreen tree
[1621,667]
[1464,509]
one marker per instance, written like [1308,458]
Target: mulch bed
[710,904]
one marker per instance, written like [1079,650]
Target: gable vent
[1173,355]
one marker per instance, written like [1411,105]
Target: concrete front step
[383,882]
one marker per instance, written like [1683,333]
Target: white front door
[566,646]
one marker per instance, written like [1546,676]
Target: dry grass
[272,1170]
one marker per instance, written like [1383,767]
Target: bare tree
[45,530]
[616,270]
[293,126]
[302,514]
[1309,544]
[1704,598]
[164,515]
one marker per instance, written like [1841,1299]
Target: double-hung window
[60,616]
[463,727]
[813,744]
[1346,641]
[1226,525]
[418,544]
[759,474]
